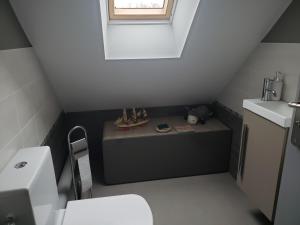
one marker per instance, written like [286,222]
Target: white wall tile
[43,125]
[8,120]
[26,103]
[264,62]
[30,134]
[7,84]
[46,117]
[22,65]
[28,107]
[9,150]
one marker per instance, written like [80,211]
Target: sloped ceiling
[66,35]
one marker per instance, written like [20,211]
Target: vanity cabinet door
[261,158]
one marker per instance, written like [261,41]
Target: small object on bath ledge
[184,128]
[137,118]
[199,114]
[191,119]
[163,128]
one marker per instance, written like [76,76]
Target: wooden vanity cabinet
[260,164]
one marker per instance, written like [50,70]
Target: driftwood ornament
[136,118]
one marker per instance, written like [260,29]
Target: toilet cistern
[28,196]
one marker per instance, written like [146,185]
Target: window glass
[139,4]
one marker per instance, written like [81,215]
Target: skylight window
[140,9]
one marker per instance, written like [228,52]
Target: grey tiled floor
[199,200]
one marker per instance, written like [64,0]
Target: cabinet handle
[243,150]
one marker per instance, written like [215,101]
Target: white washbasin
[276,111]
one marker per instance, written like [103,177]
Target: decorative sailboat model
[136,118]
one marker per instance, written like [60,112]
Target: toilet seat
[114,210]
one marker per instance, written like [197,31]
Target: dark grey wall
[234,121]
[93,121]
[287,29]
[57,141]
[11,33]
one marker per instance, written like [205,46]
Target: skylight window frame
[134,17]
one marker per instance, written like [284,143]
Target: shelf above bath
[111,132]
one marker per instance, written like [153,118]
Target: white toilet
[28,196]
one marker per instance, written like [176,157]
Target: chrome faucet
[268,90]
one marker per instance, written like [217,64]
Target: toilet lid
[114,210]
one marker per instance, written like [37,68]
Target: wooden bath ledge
[112,132]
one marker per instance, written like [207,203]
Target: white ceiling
[67,37]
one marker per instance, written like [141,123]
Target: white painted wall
[28,107]
[183,18]
[264,62]
[67,38]
[141,42]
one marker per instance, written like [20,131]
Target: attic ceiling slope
[67,37]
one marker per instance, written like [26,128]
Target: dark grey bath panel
[146,155]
